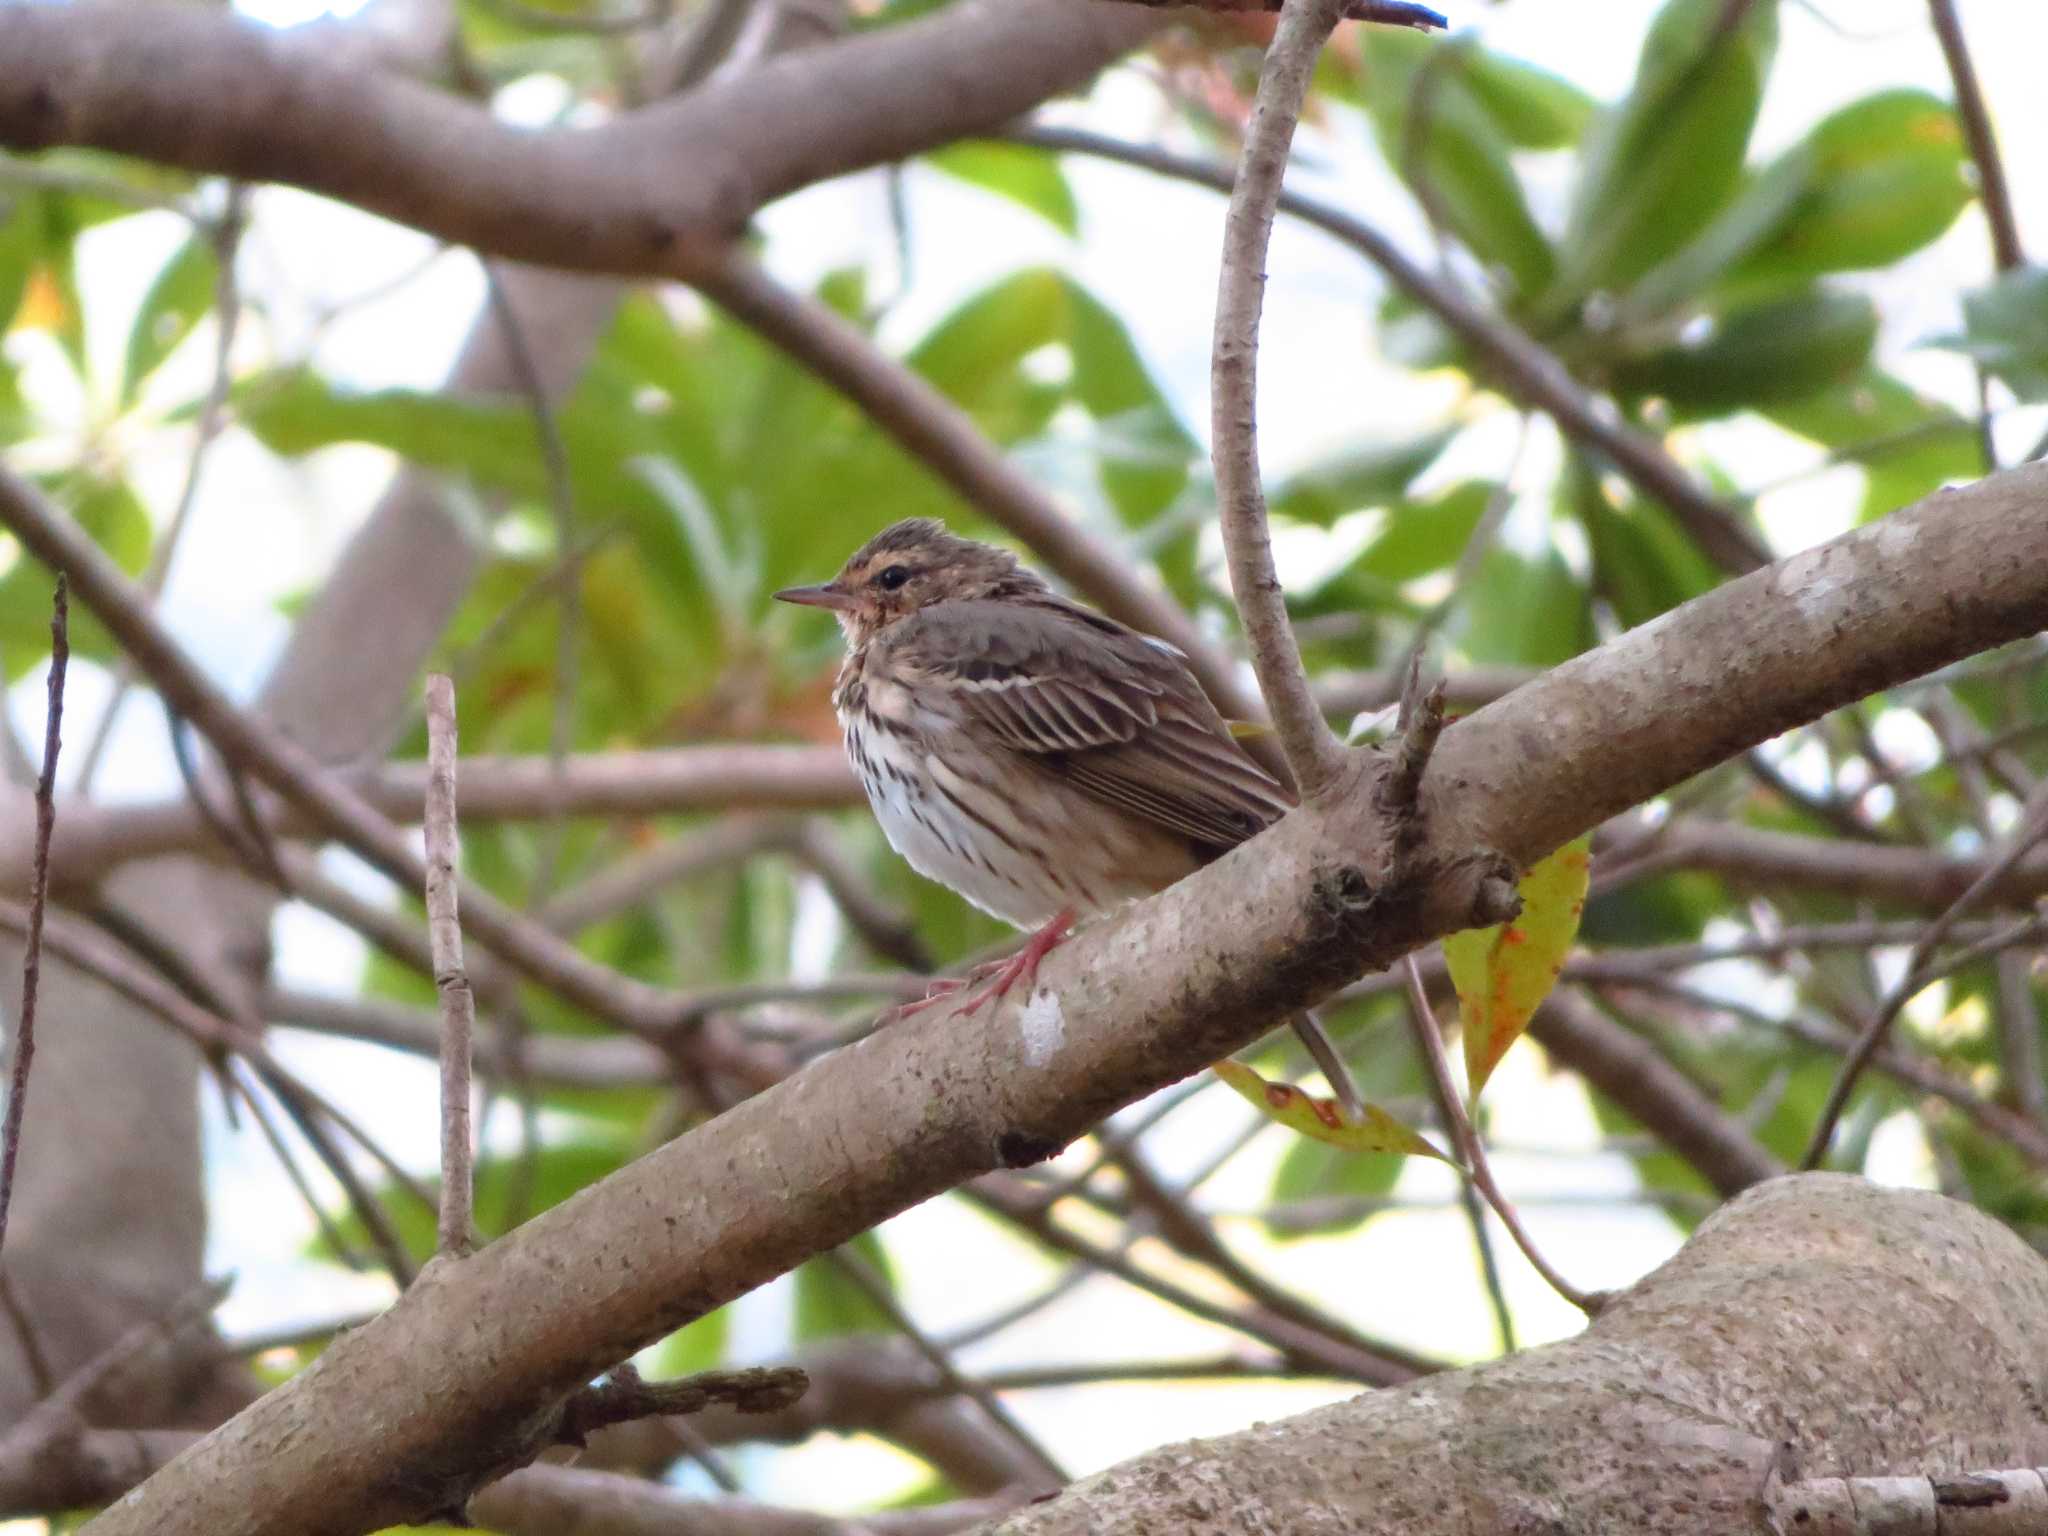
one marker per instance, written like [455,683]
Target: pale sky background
[266,529]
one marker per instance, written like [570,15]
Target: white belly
[920,806]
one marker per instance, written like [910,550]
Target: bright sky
[265,530]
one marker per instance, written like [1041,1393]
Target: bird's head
[908,566]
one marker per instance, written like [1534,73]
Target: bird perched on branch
[1039,758]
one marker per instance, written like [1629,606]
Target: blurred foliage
[1673,271]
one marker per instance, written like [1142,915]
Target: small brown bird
[1042,760]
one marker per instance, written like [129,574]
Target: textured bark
[642,195]
[403,1416]
[1817,1326]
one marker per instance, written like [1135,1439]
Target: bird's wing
[1116,715]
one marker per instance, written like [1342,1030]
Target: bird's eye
[892,577]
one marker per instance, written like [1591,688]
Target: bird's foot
[997,977]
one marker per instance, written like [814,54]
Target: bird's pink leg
[999,976]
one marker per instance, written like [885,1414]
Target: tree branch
[2006,252]
[1758,1352]
[654,191]
[22,1057]
[1314,755]
[406,1414]
[457,1225]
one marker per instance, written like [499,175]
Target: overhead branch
[650,193]
[404,1415]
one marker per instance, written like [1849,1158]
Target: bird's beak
[825,595]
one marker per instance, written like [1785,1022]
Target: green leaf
[694,1347]
[113,515]
[1420,537]
[1757,212]
[1323,1119]
[1369,475]
[559,1170]
[1143,449]
[1437,136]
[1643,562]
[1888,175]
[1523,611]
[182,292]
[1660,166]
[829,1302]
[1532,107]
[1783,349]
[1504,973]
[297,411]
[2006,330]
[21,245]
[1027,176]
[1908,445]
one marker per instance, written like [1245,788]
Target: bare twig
[39,893]
[1429,1036]
[1976,119]
[1314,755]
[623,1397]
[457,1229]
[877,1291]
[1918,974]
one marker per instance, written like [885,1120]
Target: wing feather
[1107,711]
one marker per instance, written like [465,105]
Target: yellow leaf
[1324,1118]
[1503,973]
[42,306]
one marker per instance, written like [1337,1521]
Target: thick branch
[649,193]
[403,1415]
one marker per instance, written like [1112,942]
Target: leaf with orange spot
[1503,973]
[1324,1118]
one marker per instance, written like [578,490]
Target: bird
[1043,760]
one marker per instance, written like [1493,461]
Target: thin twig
[38,900]
[623,1397]
[1429,1036]
[1918,975]
[457,1229]
[877,1291]
[1976,119]
[1314,755]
